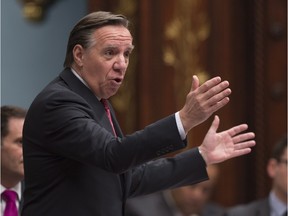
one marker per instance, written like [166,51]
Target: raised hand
[218,147]
[202,101]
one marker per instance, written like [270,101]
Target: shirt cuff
[180,126]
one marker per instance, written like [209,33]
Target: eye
[127,54]
[18,141]
[109,52]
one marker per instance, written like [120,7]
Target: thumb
[215,124]
[195,83]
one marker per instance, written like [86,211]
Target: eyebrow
[130,47]
[18,139]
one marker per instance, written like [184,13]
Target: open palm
[218,147]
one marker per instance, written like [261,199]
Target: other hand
[218,147]
[202,101]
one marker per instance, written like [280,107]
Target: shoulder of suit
[247,209]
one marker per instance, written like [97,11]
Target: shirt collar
[81,79]
[16,188]
[277,206]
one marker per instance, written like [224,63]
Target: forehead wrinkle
[115,46]
[114,33]
[114,36]
[115,41]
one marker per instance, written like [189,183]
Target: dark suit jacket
[75,166]
[156,205]
[21,201]
[256,208]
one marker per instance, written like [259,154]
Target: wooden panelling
[246,45]
[228,58]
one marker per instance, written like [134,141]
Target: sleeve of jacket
[67,128]
[183,169]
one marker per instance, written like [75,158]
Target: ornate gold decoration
[34,10]
[184,35]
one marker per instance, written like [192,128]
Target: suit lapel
[100,115]
[265,208]
[260,208]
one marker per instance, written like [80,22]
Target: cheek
[8,161]
[97,71]
[283,177]
[280,178]
[13,154]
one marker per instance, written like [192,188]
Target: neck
[281,196]
[9,181]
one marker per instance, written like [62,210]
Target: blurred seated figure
[276,203]
[12,171]
[192,200]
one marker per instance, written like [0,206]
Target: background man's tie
[10,198]
[107,109]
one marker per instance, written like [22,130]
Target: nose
[121,63]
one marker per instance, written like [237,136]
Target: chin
[112,93]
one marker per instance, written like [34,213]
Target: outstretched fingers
[237,129]
[241,152]
[209,84]
[217,96]
[243,143]
[218,92]
[219,104]
[243,137]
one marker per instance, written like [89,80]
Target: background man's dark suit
[256,208]
[156,205]
[74,148]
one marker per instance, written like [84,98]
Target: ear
[78,52]
[271,168]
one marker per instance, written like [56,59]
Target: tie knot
[9,196]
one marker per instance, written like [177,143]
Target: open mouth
[118,80]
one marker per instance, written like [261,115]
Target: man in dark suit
[12,171]
[76,159]
[183,201]
[276,203]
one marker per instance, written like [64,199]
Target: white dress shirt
[278,208]
[17,189]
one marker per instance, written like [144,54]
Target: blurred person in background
[191,200]
[276,203]
[12,172]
